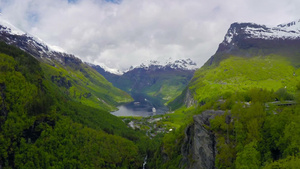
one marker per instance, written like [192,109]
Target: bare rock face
[189,99]
[199,147]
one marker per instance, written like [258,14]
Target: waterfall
[145,162]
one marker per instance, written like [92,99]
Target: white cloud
[134,31]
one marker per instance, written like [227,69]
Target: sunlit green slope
[239,74]
[83,84]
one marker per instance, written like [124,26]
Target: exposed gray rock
[189,99]
[199,147]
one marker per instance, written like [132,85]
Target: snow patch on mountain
[56,48]
[107,69]
[111,70]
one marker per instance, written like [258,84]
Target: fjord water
[141,106]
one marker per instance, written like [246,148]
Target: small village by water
[142,115]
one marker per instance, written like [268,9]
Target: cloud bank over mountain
[124,33]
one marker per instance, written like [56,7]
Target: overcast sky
[121,33]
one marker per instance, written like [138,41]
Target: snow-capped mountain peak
[10,33]
[250,39]
[236,31]
[186,64]
[183,64]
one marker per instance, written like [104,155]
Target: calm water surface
[140,107]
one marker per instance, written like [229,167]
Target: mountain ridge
[249,39]
[66,71]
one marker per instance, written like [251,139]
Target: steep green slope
[167,86]
[83,84]
[43,127]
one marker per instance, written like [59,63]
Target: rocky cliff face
[199,147]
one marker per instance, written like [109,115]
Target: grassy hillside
[42,126]
[167,86]
[237,74]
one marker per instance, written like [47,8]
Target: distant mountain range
[183,64]
[161,82]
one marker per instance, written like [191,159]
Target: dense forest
[262,134]
[43,127]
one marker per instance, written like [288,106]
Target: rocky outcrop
[199,147]
[189,99]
